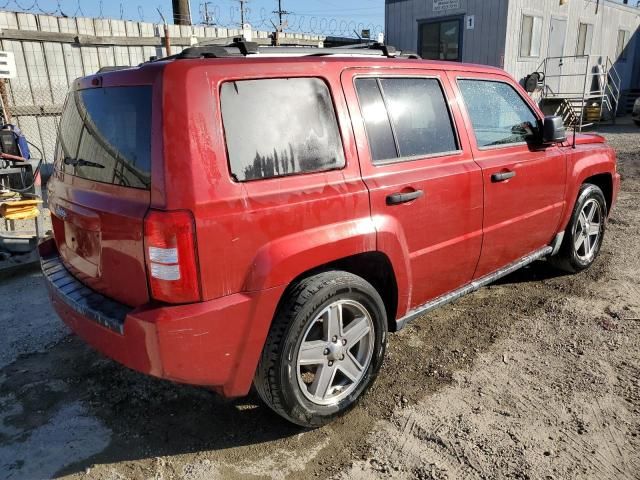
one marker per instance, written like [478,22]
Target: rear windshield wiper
[81,163]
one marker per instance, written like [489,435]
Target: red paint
[253,239]
[100,239]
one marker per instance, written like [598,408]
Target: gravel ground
[537,376]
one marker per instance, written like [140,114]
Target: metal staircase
[583,89]
[628,99]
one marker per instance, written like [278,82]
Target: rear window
[278,127]
[105,135]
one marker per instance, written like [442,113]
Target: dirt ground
[537,376]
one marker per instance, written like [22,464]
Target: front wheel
[324,350]
[583,236]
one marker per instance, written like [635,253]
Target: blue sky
[341,16]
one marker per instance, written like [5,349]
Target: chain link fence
[36,110]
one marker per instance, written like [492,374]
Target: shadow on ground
[132,417]
[535,272]
[146,417]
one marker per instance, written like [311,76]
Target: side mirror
[553,130]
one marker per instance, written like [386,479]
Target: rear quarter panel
[258,234]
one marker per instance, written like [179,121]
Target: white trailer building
[583,46]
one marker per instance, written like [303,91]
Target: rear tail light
[170,251]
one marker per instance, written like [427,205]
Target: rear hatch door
[100,191]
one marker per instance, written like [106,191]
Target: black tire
[569,258]
[637,122]
[277,381]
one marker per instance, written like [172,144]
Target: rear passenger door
[524,182]
[423,183]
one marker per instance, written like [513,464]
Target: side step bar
[472,287]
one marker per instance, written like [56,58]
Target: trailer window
[441,40]
[621,48]
[530,36]
[585,36]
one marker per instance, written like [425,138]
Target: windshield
[105,136]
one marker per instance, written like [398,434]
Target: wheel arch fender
[284,259]
[598,167]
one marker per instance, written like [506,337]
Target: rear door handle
[502,176]
[397,198]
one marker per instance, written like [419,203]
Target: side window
[405,117]
[377,123]
[498,114]
[278,127]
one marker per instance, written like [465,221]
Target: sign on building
[444,5]
[7,65]
[470,22]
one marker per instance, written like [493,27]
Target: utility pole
[281,24]
[242,2]
[207,18]
[181,12]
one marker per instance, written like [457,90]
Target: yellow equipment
[20,209]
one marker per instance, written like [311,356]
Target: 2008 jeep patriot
[235,215]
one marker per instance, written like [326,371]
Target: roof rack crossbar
[240,48]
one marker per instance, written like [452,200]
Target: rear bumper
[215,343]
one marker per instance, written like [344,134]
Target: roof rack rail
[390,51]
[112,68]
[237,48]
[241,48]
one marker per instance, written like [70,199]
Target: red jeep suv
[236,215]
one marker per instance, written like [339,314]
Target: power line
[280,12]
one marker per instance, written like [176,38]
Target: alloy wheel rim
[335,352]
[586,236]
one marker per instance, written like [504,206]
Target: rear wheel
[324,350]
[584,234]
[637,122]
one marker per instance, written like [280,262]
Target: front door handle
[397,198]
[502,176]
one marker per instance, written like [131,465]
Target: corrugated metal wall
[609,19]
[48,61]
[495,39]
[482,44]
